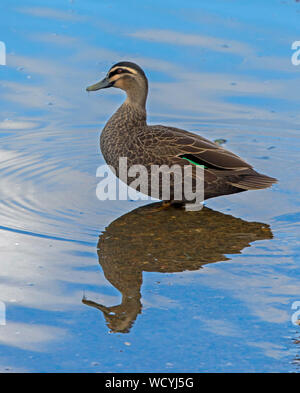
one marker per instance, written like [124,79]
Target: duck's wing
[174,144]
[177,142]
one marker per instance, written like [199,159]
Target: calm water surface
[108,286]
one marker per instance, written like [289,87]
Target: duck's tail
[254,181]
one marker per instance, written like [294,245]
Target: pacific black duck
[127,134]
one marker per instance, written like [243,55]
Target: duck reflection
[169,241]
[296,359]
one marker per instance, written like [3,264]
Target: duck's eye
[117,71]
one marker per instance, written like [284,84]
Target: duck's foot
[164,205]
[158,207]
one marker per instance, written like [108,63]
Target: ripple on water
[47,188]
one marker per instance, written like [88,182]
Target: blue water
[221,69]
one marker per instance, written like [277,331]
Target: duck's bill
[104,84]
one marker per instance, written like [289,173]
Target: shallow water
[195,292]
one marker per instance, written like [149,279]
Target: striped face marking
[118,71]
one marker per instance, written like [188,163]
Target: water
[196,292]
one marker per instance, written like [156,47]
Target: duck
[127,134]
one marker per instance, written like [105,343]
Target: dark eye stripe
[119,71]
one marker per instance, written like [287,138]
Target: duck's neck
[130,116]
[137,98]
[137,92]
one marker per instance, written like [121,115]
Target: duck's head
[128,77]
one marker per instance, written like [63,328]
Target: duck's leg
[166,204]
[163,206]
